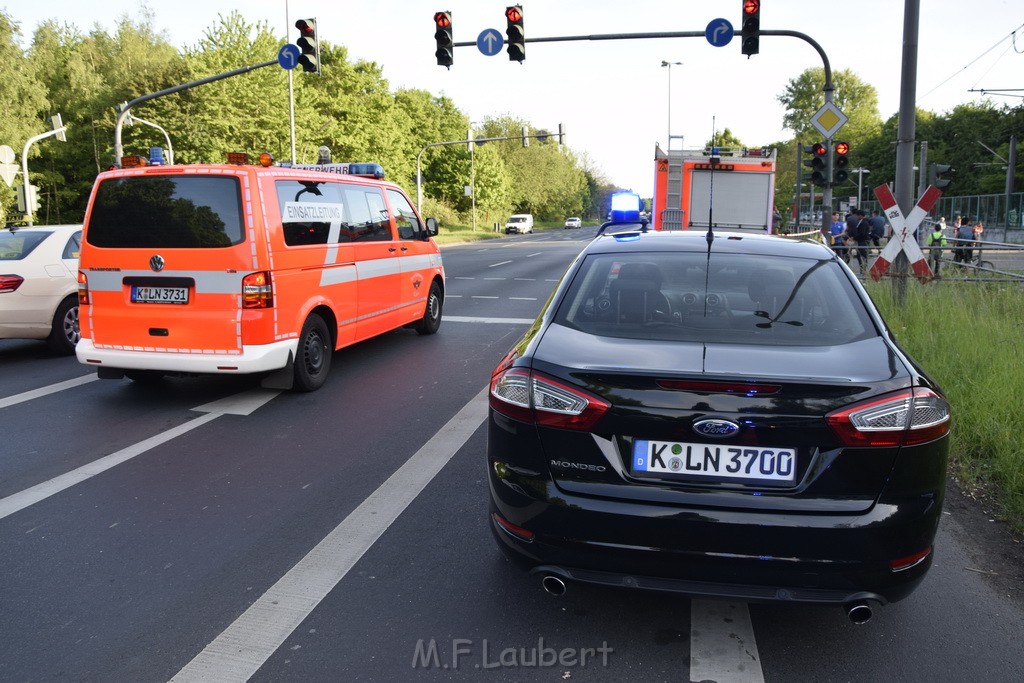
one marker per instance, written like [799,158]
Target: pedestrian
[861,234]
[963,251]
[838,237]
[877,229]
[936,242]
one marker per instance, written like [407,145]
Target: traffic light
[443,36]
[308,45]
[750,28]
[841,163]
[935,173]
[818,163]
[516,40]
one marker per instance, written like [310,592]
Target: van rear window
[163,212]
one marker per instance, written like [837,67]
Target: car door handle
[392,249]
[405,248]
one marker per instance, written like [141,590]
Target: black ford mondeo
[721,415]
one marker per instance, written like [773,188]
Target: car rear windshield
[162,212]
[740,298]
[18,244]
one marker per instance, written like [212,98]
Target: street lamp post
[860,183]
[668,140]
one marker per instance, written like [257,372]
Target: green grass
[968,338]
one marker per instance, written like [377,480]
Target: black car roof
[696,240]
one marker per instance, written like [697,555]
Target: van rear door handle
[392,249]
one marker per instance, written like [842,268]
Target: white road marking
[30,496]
[538,253]
[525,279]
[523,298]
[480,296]
[501,263]
[473,319]
[44,391]
[243,403]
[722,645]
[463,277]
[496,278]
[244,646]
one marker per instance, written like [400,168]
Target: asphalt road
[205,529]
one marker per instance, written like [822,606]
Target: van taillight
[83,288]
[257,292]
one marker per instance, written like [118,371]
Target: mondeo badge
[715,429]
[157,263]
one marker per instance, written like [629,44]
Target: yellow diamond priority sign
[829,119]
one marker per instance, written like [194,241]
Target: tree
[804,95]
[725,139]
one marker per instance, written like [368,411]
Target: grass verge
[968,337]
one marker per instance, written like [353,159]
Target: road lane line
[502,263]
[30,496]
[242,403]
[538,253]
[722,645]
[473,319]
[244,646]
[523,298]
[44,391]
[480,296]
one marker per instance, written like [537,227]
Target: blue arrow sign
[489,42]
[288,56]
[719,32]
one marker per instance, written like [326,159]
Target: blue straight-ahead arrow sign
[489,42]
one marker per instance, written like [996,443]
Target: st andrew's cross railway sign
[903,232]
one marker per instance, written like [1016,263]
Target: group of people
[966,236]
[856,234]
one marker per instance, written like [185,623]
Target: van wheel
[431,320]
[64,332]
[313,360]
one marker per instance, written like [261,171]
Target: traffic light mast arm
[119,150]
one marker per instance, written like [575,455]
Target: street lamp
[668,141]
[860,182]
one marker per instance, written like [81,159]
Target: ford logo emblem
[156,263]
[716,429]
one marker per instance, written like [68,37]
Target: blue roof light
[626,206]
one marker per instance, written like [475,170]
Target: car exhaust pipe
[859,612]
[553,585]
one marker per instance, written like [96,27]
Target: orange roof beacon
[238,269]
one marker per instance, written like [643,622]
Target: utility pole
[906,131]
[1011,165]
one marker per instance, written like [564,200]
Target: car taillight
[9,283]
[257,292]
[83,288]
[536,398]
[902,563]
[906,418]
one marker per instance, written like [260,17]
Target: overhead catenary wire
[1013,39]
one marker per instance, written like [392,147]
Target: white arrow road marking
[244,646]
[239,404]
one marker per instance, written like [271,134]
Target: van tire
[431,320]
[64,331]
[313,357]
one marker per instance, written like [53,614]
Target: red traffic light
[443,19]
[307,27]
[514,14]
[842,148]
[819,149]
[751,6]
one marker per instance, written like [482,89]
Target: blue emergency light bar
[626,206]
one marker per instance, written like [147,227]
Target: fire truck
[732,189]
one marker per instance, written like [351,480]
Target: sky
[614,98]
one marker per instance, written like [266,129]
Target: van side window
[308,209]
[409,227]
[367,215]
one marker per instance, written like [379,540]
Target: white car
[521,223]
[573,222]
[39,284]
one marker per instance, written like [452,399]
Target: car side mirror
[431,227]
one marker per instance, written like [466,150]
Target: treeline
[349,108]
[972,138]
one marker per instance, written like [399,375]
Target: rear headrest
[641,271]
[771,282]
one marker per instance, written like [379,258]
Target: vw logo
[157,263]
[716,429]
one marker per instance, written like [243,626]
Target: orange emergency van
[240,268]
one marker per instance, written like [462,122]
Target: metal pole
[472,181]
[170,150]
[922,177]
[668,140]
[291,87]
[24,168]
[1011,165]
[906,132]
